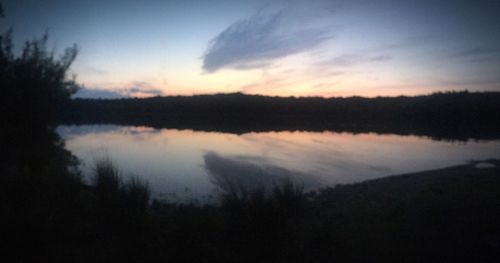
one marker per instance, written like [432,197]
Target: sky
[279,48]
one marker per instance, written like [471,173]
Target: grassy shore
[445,215]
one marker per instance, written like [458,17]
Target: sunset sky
[285,48]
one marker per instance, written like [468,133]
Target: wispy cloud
[476,52]
[96,71]
[347,60]
[267,83]
[136,90]
[143,88]
[97,93]
[380,58]
[407,43]
[133,91]
[256,41]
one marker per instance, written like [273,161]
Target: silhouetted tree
[33,83]
[39,184]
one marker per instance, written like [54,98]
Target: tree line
[443,115]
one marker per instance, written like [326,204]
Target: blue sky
[283,48]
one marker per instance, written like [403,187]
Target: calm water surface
[185,165]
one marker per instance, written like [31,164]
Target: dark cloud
[133,90]
[476,52]
[254,42]
[96,93]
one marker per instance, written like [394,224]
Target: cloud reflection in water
[244,173]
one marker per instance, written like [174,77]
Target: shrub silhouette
[39,182]
[35,83]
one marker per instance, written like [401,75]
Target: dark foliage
[451,115]
[39,183]
[33,84]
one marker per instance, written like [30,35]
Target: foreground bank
[446,215]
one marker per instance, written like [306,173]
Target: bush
[34,84]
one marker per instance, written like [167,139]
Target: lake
[187,165]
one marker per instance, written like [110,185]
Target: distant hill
[450,115]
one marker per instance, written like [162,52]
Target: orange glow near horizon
[291,76]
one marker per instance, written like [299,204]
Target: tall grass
[262,220]
[137,194]
[284,193]
[107,177]
[113,192]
